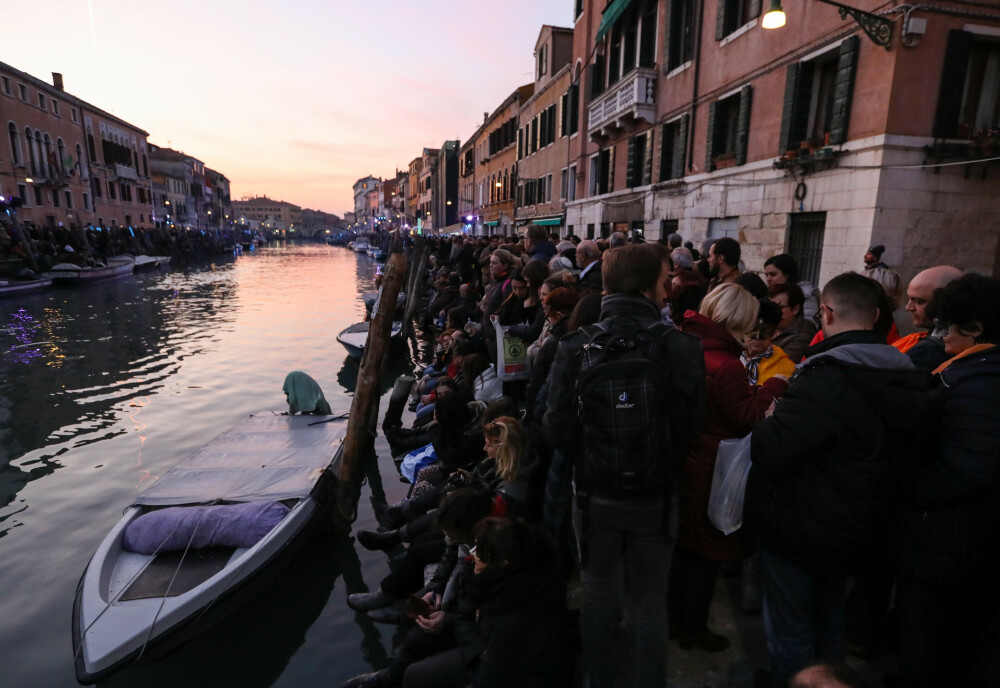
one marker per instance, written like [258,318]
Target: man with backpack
[625,396]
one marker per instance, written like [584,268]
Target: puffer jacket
[487,386]
[826,462]
[734,407]
[947,520]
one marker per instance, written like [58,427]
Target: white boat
[370,299]
[361,245]
[132,606]
[17,287]
[145,262]
[379,254]
[162,261]
[355,337]
[70,273]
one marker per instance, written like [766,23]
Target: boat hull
[354,337]
[17,288]
[78,275]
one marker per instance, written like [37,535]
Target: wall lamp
[877,28]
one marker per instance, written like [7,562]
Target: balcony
[125,172]
[633,98]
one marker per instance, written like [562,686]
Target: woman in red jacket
[734,406]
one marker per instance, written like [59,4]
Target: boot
[391,516]
[706,640]
[366,601]
[400,392]
[376,679]
[393,614]
[379,541]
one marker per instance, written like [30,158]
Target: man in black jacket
[588,257]
[823,469]
[609,523]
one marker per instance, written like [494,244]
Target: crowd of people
[49,246]
[547,513]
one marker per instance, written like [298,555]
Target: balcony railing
[632,98]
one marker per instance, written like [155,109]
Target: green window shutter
[630,174]
[611,169]
[788,108]
[754,8]
[666,152]
[564,118]
[680,149]
[743,125]
[710,141]
[647,167]
[953,76]
[667,13]
[843,90]
[720,20]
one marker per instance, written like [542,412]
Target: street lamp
[877,28]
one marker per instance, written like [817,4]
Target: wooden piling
[366,395]
[416,288]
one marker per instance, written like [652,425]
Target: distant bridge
[320,232]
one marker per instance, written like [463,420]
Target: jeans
[803,616]
[613,533]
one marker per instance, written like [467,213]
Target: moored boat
[355,337]
[145,262]
[156,580]
[361,245]
[370,299]
[15,287]
[70,273]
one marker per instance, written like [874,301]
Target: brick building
[495,152]
[811,139]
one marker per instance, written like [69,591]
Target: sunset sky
[294,99]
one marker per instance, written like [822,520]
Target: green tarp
[548,222]
[611,14]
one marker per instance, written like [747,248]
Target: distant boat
[145,262]
[355,337]
[361,245]
[370,299]
[162,261]
[131,606]
[379,254]
[70,273]
[17,287]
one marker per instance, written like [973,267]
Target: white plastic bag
[512,357]
[729,482]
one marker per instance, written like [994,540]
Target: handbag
[729,482]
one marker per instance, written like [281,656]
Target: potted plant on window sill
[721,162]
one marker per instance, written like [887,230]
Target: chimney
[486,117]
[57,80]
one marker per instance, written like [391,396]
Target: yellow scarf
[974,349]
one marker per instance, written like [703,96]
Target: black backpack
[623,396]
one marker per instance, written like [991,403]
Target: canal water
[105,387]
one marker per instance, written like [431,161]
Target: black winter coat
[947,525]
[824,465]
[516,623]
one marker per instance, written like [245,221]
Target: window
[563,184]
[733,14]
[572,183]
[23,92]
[570,111]
[547,126]
[719,227]
[668,227]
[578,9]
[543,59]
[728,129]
[969,98]
[95,185]
[73,114]
[55,107]
[38,195]
[86,202]
[111,190]
[55,198]
[602,172]
[640,160]
[22,193]
[629,44]
[548,188]
[5,85]
[69,199]
[673,149]
[590,231]
[91,151]
[805,243]
[84,170]
[679,33]
[15,143]
[818,94]
[41,100]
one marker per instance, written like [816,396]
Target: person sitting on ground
[482,376]
[794,332]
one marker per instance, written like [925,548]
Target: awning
[611,14]
[491,223]
[547,222]
[453,229]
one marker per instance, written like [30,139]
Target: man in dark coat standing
[824,465]
[537,244]
[588,257]
[615,530]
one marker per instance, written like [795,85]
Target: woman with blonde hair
[726,315]
[503,470]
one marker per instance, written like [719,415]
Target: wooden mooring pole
[366,396]
[416,283]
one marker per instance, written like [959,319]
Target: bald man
[588,257]
[925,347]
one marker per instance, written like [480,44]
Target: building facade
[546,121]
[361,189]
[496,165]
[275,217]
[445,197]
[811,139]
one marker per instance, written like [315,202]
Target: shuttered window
[969,97]
[673,149]
[729,128]
[733,14]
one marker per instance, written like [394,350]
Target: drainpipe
[697,72]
